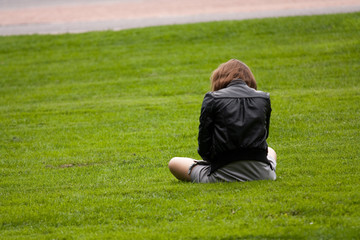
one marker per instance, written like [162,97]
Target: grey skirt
[239,171]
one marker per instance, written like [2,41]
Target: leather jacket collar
[236,82]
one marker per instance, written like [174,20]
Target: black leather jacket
[234,125]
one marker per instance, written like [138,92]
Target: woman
[234,126]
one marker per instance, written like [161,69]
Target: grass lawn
[88,123]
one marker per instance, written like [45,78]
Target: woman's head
[231,70]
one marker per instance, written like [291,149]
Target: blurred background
[73,16]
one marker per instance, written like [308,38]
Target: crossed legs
[179,166]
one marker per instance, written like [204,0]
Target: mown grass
[88,123]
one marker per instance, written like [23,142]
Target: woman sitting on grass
[234,126]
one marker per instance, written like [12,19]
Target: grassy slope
[89,121]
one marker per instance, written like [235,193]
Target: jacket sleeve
[206,128]
[268,119]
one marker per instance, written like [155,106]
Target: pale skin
[179,166]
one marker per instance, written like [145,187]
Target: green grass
[88,123]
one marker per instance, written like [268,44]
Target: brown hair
[231,70]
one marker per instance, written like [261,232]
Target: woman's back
[237,118]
